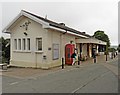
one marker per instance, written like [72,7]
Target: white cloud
[83,16]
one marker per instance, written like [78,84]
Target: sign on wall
[55,51]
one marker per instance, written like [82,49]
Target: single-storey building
[40,43]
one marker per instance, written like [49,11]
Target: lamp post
[78,60]
[106,52]
[80,54]
[62,63]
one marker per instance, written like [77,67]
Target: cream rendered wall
[56,37]
[66,40]
[28,58]
[53,38]
[90,50]
[84,49]
[97,49]
[78,48]
[34,58]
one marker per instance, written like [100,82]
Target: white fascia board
[96,41]
[27,15]
[62,30]
[7,31]
[51,27]
[77,34]
[35,19]
[92,41]
[13,21]
[81,40]
[102,42]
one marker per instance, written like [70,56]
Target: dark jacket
[73,55]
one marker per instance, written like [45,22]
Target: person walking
[74,58]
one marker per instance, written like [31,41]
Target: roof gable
[45,22]
[58,25]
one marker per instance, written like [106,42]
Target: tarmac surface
[31,72]
[88,77]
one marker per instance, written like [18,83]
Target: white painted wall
[84,49]
[33,58]
[28,58]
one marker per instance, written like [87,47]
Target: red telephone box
[69,50]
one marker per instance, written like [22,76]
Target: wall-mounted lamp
[44,57]
[71,42]
[25,34]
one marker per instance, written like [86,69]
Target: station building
[41,43]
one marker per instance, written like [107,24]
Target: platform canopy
[91,40]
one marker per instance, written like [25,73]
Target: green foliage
[118,48]
[111,49]
[5,48]
[102,36]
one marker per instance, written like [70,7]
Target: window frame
[37,40]
[15,44]
[19,44]
[54,50]
[28,44]
[24,44]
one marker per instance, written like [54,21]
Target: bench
[4,66]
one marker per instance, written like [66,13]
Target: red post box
[69,50]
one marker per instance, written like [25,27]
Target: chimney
[83,32]
[62,24]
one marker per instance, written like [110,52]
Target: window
[15,44]
[39,44]
[19,44]
[55,51]
[28,43]
[24,44]
[68,50]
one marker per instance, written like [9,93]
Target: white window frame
[24,44]
[55,51]
[37,39]
[19,44]
[15,44]
[28,44]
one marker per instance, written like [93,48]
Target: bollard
[114,55]
[62,63]
[4,67]
[94,59]
[78,60]
[106,57]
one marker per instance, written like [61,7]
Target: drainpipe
[61,48]
[80,51]
[106,51]
[36,59]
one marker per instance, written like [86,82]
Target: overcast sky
[83,16]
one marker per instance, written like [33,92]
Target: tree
[102,36]
[118,48]
[5,46]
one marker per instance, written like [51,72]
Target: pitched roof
[57,25]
